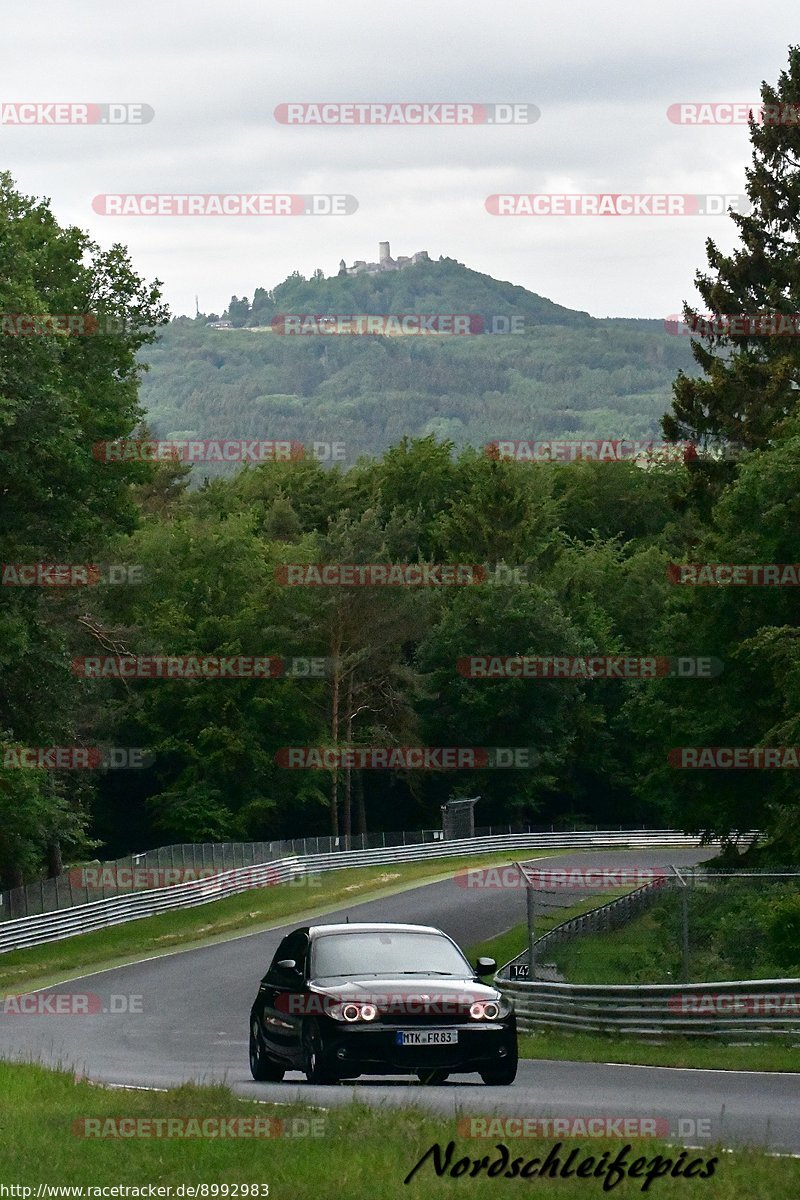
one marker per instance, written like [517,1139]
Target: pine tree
[751,379]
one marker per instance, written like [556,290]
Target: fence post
[684,923]
[685,929]
[530,905]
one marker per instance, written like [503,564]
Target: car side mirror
[288,964]
[485,966]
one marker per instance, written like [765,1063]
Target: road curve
[194,1005]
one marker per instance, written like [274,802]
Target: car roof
[371,927]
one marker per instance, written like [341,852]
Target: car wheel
[433,1077]
[262,1068]
[501,1075]
[315,1068]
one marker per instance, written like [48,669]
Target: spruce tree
[750,380]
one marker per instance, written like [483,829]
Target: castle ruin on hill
[385,262]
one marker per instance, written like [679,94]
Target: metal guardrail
[177,863]
[85,883]
[710,1009]
[749,1006]
[116,910]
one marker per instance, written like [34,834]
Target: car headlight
[352,1011]
[490,1010]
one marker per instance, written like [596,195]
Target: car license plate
[427,1037]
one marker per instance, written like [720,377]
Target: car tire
[500,1076]
[432,1078]
[314,1066]
[262,1068]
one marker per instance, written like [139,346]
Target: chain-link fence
[718,925]
[182,862]
[691,925]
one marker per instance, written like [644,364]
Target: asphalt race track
[192,1024]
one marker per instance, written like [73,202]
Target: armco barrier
[156,868]
[193,860]
[52,927]
[749,1006]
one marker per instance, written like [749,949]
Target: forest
[556,373]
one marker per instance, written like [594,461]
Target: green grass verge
[250,912]
[508,945]
[630,954]
[356,1151]
[778,1054]
[736,931]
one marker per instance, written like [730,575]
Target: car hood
[388,992]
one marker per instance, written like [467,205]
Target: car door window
[279,954]
[294,946]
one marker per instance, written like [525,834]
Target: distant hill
[567,375]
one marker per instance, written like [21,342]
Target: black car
[341,1001]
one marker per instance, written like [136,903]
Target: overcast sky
[603,76]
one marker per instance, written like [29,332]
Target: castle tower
[383,252]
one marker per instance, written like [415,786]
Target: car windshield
[387,953]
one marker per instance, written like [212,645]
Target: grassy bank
[513,941]
[777,1054]
[249,912]
[738,929]
[352,1150]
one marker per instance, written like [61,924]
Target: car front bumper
[374,1050]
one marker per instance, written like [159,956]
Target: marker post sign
[530,909]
